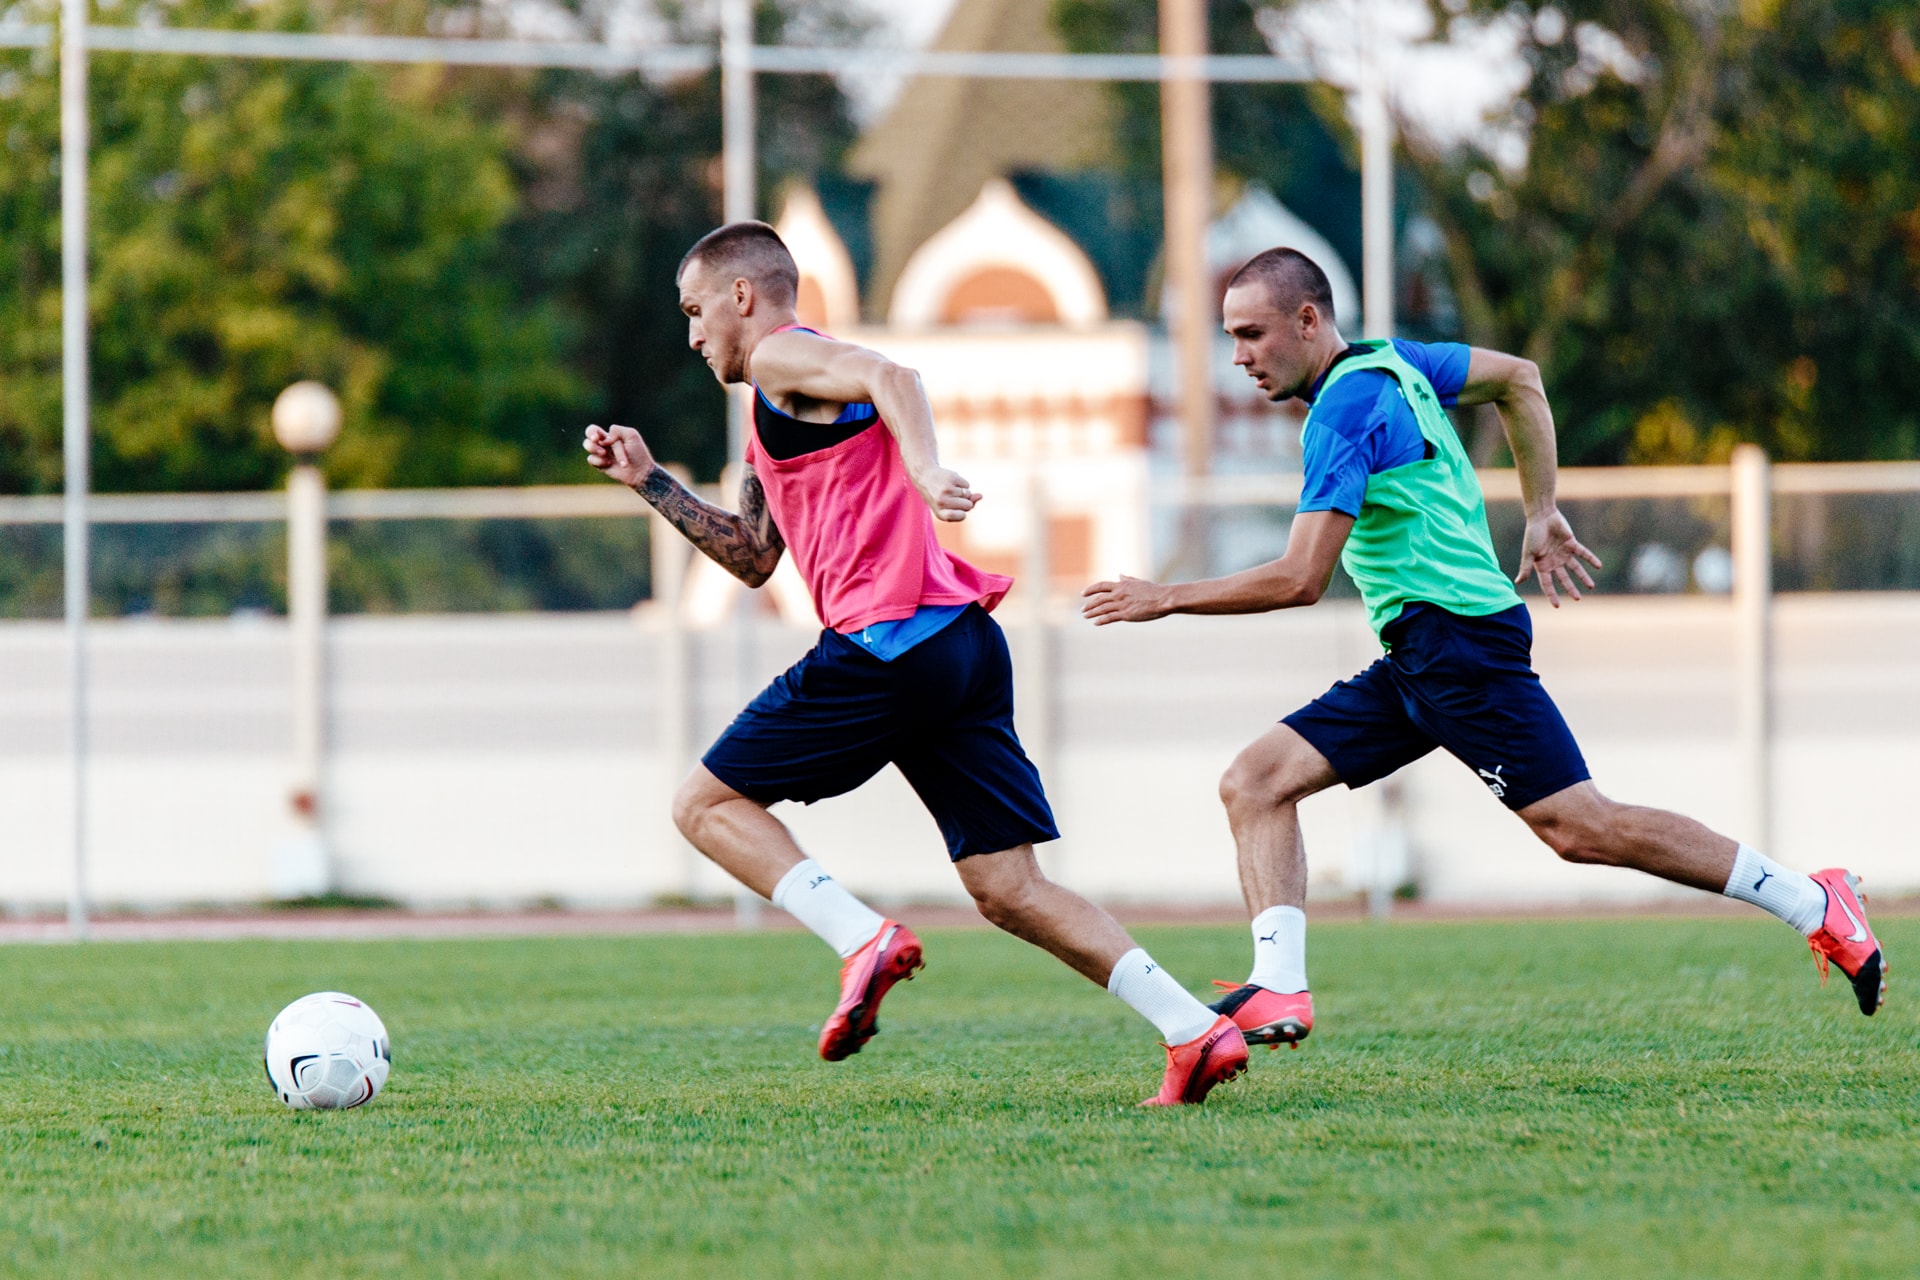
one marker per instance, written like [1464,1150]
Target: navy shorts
[942,711]
[1466,684]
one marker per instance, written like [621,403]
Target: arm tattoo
[747,545]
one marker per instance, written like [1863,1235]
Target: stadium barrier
[519,756]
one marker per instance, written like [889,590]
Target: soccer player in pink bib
[842,469]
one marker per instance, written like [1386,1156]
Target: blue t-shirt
[1365,426]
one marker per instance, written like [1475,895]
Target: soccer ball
[327,1051]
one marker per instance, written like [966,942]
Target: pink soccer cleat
[865,978]
[1271,1018]
[1213,1057]
[1845,939]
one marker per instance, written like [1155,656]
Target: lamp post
[306,419]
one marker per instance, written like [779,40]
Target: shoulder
[1353,405]
[1442,364]
[785,350]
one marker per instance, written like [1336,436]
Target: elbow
[1527,381]
[1300,594]
[900,382]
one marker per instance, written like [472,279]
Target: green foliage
[255,223]
[1714,239]
[1278,135]
[1573,1098]
[635,180]
[479,261]
[1718,245]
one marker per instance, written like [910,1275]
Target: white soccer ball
[328,1052]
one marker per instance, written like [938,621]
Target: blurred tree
[1711,232]
[623,175]
[479,261]
[1713,236]
[1289,137]
[254,223]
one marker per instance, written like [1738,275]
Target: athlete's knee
[1578,828]
[1258,780]
[1001,906]
[1006,890]
[694,803]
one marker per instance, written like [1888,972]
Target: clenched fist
[620,452]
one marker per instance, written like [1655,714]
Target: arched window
[999,295]
[998,263]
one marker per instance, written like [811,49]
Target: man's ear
[1309,319]
[743,296]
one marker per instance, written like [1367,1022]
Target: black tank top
[784,436]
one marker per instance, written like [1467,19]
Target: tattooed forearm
[746,544]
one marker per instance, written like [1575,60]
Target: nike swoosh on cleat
[1859,933]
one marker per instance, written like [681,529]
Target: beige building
[1039,398]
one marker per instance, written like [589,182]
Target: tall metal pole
[75,418]
[737,162]
[1376,198]
[1186,160]
[1753,640]
[738,200]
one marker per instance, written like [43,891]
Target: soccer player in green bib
[1388,492]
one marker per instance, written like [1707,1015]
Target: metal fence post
[306,419]
[673,717]
[75,427]
[1036,682]
[1753,647]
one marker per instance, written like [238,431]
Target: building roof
[945,136]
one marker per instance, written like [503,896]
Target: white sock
[816,900]
[1280,950]
[1151,992]
[1790,895]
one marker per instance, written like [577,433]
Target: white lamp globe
[306,418]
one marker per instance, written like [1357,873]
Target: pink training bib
[860,533]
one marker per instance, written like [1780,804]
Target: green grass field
[1649,1097]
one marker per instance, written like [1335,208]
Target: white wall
[504,760]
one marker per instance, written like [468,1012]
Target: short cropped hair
[1291,278]
[748,251]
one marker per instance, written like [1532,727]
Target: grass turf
[1670,1097]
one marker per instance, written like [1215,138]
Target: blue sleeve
[1335,473]
[1443,363]
[1337,451]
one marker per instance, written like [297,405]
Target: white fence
[500,760]
[509,759]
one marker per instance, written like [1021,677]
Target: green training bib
[1421,535]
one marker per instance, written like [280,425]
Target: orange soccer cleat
[865,978]
[1271,1018]
[1213,1057]
[1845,939]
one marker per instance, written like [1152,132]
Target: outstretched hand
[1128,600]
[620,452]
[1552,554]
[947,493]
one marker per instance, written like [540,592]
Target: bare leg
[1015,895]
[1262,791]
[1581,825]
[738,834]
